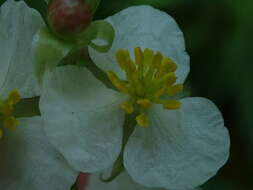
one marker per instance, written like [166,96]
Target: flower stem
[118,167]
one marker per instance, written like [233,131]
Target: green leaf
[48,52]
[98,31]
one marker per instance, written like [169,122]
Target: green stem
[74,187]
[118,168]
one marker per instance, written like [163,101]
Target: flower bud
[69,17]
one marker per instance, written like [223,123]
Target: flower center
[150,80]
[7,120]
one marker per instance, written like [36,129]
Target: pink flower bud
[69,17]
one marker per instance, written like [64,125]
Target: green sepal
[93,4]
[77,57]
[118,167]
[98,30]
[27,107]
[48,51]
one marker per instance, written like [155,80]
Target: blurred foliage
[219,40]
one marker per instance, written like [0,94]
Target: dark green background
[219,40]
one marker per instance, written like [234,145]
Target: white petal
[122,182]
[82,118]
[145,27]
[181,149]
[29,162]
[18,23]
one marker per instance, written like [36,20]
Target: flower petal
[145,27]
[181,149]
[28,161]
[122,182]
[82,118]
[18,23]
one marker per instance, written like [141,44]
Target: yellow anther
[173,90]
[1,134]
[144,103]
[157,60]
[124,61]
[7,118]
[154,67]
[119,84]
[6,108]
[168,65]
[136,84]
[159,93]
[120,56]
[150,78]
[172,104]
[14,96]
[127,107]
[142,120]
[148,57]
[138,56]
[170,79]
[11,123]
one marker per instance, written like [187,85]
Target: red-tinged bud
[83,181]
[69,17]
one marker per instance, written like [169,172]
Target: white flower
[27,160]
[176,149]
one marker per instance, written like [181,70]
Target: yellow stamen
[155,65]
[142,120]
[172,104]
[119,84]
[1,134]
[11,123]
[128,107]
[125,61]
[172,91]
[169,65]
[148,56]
[170,79]
[144,103]
[7,109]
[14,96]
[150,78]
[138,56]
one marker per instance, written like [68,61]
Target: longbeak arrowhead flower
[177,143]
[27,159]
